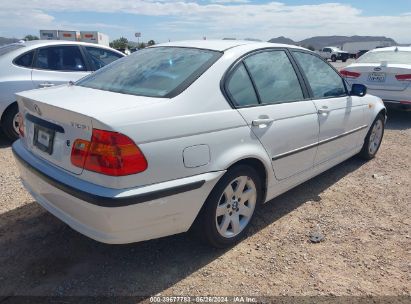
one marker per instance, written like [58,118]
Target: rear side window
[101,57]
[274,77]
[60,58]
[25,60]
[324,81]
[240,88]
[153,72]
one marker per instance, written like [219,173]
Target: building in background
[85,36]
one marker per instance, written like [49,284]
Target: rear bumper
[397,105]
[400,100]
[115,215]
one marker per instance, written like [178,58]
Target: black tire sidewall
[7,123]
[365,153]
[212,236]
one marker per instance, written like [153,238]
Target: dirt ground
[362,208]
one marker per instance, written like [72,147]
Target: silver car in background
[183,134]
[387,74]
[44,63]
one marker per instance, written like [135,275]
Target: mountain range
[319,42]
[316,42]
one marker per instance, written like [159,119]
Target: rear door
[54,65]
[266,90]
[340,116]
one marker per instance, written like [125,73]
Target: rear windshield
[9,48]
[154,72]
[398,57]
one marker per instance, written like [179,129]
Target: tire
[373,139]
[236,211]
[333,58]
[9,121]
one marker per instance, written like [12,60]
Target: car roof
[38,43]
[222,45]
[393,48]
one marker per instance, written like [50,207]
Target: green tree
[142,45]
[121,43]
[30,37]
[151,42]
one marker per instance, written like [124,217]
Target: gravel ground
[362,209]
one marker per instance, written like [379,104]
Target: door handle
[323,111]
[46,85]
[262,122]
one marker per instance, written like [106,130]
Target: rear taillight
[403,77]
[21,124]
[348,74]
[109,153]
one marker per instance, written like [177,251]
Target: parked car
[44,63]
[360,53]
[199,135]
[387,74]
[334,54]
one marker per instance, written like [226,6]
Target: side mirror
[358,90]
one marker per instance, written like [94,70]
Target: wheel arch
[252,161]
[5,110]
[253,155]
[259,167]
[379,108]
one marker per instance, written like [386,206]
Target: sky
[164,20]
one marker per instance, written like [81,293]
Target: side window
[101,57]
[323,80]
[60,58]
[240,88]
[25,60]
[274,77]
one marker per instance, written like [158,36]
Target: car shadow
[398,120]
[40,255]
[4,141]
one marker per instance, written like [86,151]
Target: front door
[267,92]
[340,116]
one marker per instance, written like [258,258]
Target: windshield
[153,72]
[9,48]
[399,57]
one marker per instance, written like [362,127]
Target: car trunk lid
[381,76]
[55,117]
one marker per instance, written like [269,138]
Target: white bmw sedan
[44,63]
[387,74]
[189,133]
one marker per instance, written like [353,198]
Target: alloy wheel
[236,206]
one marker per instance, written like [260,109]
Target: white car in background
[387,74]
[44,63]
[334,54]
[201,132]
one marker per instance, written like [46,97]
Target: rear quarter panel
[198,116]
[13,79]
